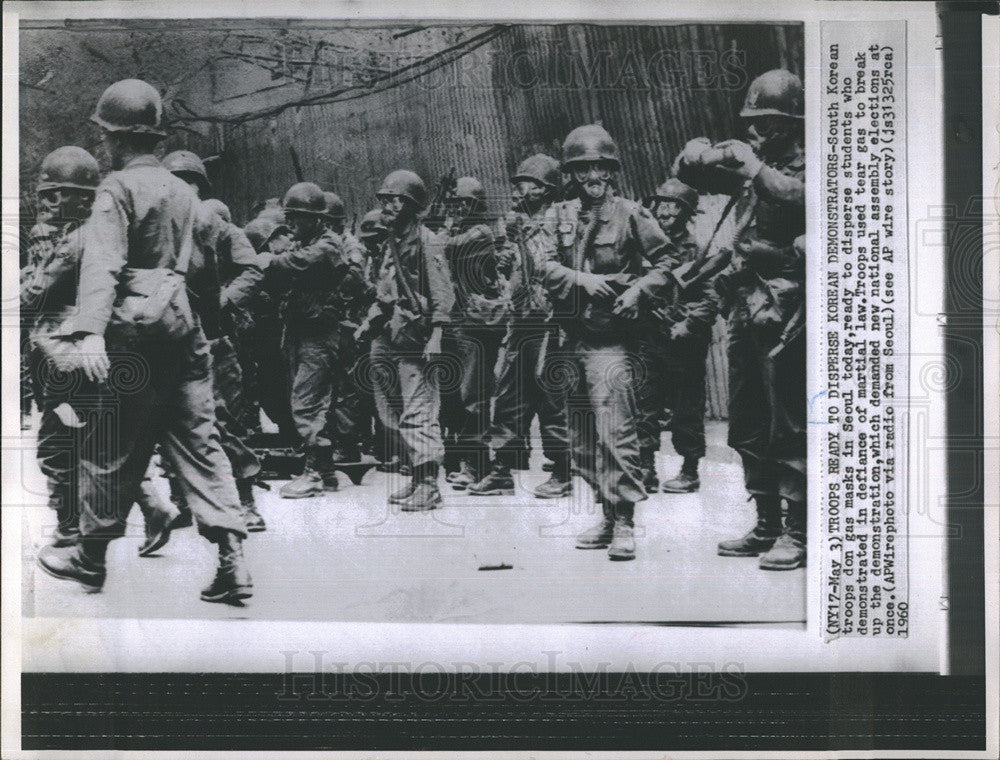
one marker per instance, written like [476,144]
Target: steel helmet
[68,166]
[258,231]
[371,225]
[186,162]
[774,93]
[406,184]
[218,207]
[334,206]
[306,198]
[590,142]
[469,188]
[539,168]
[130,105]
[675,190]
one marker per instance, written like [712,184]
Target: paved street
[348,557]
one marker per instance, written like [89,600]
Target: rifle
[437,213]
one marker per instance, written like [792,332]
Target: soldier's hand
[692,151]
[595,285]
[92,358]
[627,304]
[740,157]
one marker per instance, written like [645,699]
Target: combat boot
[647,465]
[622,546]
[232,582]
[789,551]
[306,485]
[403,493]
[497,482]
[558,485]
[83,564]
[158,519]
[67,530]
[248,506]
[686,481]
[598,536]
[324,466]
[763,535]
[426,495]
[465,477]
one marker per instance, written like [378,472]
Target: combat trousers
[320,372]
[470,351]
[266,377]
[602,409]
[227,387]
[408,402]
[673,376]
[156,392]
[767,410]
[352,407]
[523,390]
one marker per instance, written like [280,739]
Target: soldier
[764,293]
[239,273]
[603,255]
[676,350]
[321,279]
[524,388]
[473,338]
[158,379]
[414,303]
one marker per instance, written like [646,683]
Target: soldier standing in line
[764,293]
[239,274]
[524,388]
[604,255]
[676,351]
[158,379]
[322,279]
[414,300]
[474,336]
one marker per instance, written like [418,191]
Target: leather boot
[186,519]
[158,518]
[497,482]
[67,530]
[599,535]
[306,485]
[622,546]
[232,582]
[426,495]
[81,563]
[647,465]
[248,506]
[324,466]
[687,480]
[403,493]
[465,477]
[763,535]
[789,551]
[558,485]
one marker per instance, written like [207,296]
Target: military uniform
[620,239]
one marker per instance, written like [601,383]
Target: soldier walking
[525,387]
[763,291]
[605,255]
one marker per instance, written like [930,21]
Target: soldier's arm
[56,274]
[557,278]
[440,286]
[775,185]
[657,250]
[238,253]
[295,260]
[105,253]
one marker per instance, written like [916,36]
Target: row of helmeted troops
[156,323]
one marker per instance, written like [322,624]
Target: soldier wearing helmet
[321,278]
[472,340]
[142,224]
[604,255]
[675,350]
[532,341]
[763,292]
[414,299]
[240,273]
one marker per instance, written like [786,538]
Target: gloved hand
[736,155]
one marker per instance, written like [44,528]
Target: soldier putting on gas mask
[321,278]
[414,302]
[525,387]
[763,291]
[604,256]
[675,350]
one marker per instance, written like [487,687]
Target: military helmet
[406,184]
[469,188]
[306,198]
[258,231]
[186,162]
[541,169]
[774,93]
[371,225]
[68,166]
[334,206]
[221,209]
[590,142]
[675,190]
[130,105]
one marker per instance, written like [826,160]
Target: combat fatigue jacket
[48,282]
[529,301]
[696,307]
[471,256]
[323,278]
[425,298]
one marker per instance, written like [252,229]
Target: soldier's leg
[384,374]
[686,389]
[478,348]
[275,379]
[749,436]
[57,454]
[420,431]
[347,416]
[452,411]
[651,392]
[545,388]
